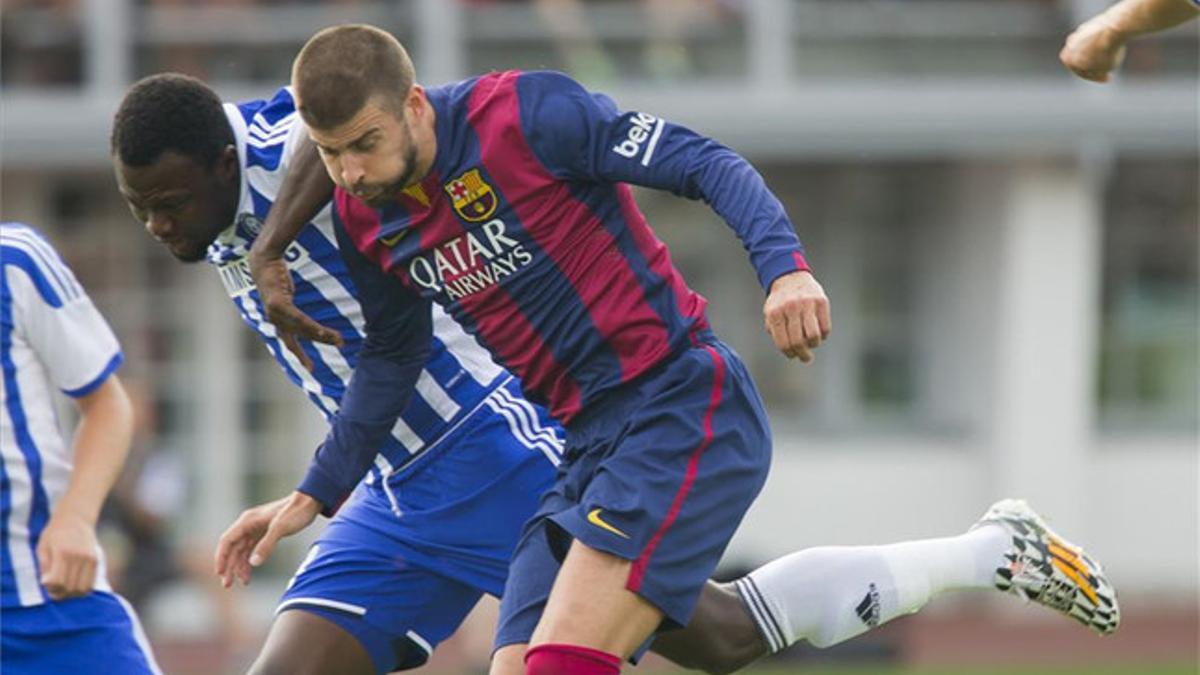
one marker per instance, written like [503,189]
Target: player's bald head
[341,68]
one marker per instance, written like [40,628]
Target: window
[867,228]
[1149,335]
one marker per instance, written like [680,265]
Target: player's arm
[306,190]
[582,136]
[67,548]
[80,354]
[1097,47]
[399,329]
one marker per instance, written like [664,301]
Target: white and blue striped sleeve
[274,130]
[297,132]
[55,316]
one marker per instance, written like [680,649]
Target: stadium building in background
[1011,256]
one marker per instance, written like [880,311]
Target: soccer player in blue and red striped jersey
[505,200]
[438,517]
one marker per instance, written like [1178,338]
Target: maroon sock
[570,660]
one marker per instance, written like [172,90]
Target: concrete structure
[999,270]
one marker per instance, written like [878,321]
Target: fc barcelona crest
[473,199]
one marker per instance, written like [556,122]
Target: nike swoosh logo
[594,518]
[394,239]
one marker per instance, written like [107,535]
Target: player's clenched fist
[797,315]
[1094,50]
[67,556]
[1097,47]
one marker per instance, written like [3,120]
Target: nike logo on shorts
[594,518]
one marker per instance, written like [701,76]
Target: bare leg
[589,605]
[302,643]
[509,660]
[721,637]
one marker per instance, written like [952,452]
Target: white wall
[1016,297]
[1138,510]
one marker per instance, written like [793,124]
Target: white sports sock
[830,594]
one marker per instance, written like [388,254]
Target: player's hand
[67,555]
[1093,50]
[797,315]
[233,550]
[296,513]
[275,287]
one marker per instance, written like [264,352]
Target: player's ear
[227,163]
[415,101]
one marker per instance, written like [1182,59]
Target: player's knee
[730,641]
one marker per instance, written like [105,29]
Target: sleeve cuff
[780,264]
[318,485]
[109,368]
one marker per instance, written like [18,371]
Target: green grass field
[1182,669]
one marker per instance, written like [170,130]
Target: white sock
[830,594]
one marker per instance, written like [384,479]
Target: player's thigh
[589,605]
[301,642]
[531,573]
[531,578]
[664,487]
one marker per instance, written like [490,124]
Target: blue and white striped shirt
[459,374]
[51,337]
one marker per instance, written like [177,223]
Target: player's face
[375,154]
[182,204]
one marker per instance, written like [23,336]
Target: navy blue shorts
[97,633]
[402,564]
[661,474]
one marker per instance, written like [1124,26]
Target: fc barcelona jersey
[525,230]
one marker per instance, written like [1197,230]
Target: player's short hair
[343,67]
[170,112]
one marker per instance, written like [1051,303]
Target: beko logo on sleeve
[644,130]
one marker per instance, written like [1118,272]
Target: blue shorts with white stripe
[404,560]
[96,633]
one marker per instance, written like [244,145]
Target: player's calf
[830,594]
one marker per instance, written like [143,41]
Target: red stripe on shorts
[636,574]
